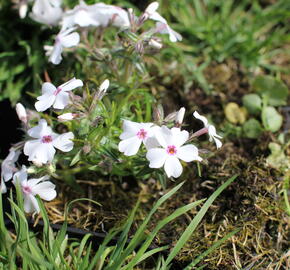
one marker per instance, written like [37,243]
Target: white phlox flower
[210,129]
[32,187]
[8,168]
[172,149]
[57,97]
[99,14]
[42,148]
[164,28]
[64,39]
[134,134]
[47,11]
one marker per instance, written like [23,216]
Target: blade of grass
[194,223]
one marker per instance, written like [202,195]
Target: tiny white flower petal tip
[30,188]
[56,96]
[41,149]
[172,150]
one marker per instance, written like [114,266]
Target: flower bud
[179,116]
[21,112]
[66,117]
[23,10]
[105,85]
[155,44]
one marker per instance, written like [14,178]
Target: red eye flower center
[142,134]
[26,190]
[56,92]
[171,150]
[46,139]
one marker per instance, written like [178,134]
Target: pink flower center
[56,92]
[26,190]
[46,139]
[171,150]
[142,134]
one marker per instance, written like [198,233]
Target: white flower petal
[41,152]
[71,84]
[179,137]
[152,7]
[30,204]
[130,146]
[156,157]
[163,136]
[20,176]
[48,88]
[83,18]
[157,17]
[3,188]
[188,153]
[61,100]
[201,118]
[172,167]
[8,166]
[45,190]
[55,56]
[40,130]
[151,142]
[64,142]
[70,40]
[130,129]
[44,102]
[212,131]
[217,142]
[34,181]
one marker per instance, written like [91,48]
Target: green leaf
[275,90]
[252,128]
[272,120]
[253,103]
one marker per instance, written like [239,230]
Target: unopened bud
[105,85]
[158,113]
[155,44]
[21,112]
[87,149]
[66,117]
[170,117]
[179,116]
[23,10]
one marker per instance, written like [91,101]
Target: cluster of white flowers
[51,13]
[165,146]
[40,149]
